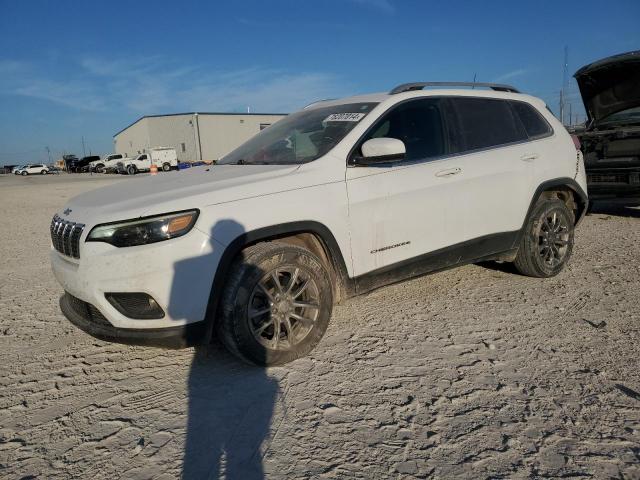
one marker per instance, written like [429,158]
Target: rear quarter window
[485,123]
[534,124]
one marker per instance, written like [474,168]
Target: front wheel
[43,172]
[547,240]
[166,167]
[131,170]
[24,174]
[276,304]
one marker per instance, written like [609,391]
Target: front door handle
[448,172]
[527,157]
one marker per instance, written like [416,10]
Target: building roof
[195,113]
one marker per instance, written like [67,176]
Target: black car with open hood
[610,90]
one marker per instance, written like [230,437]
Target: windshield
[630,115]
[300,137]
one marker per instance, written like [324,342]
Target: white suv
[335,200]
[32,169]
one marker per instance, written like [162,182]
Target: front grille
[608,178]
[65,236]
[87,311]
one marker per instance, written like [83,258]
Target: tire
[547,240]
[166,167]
[131,170]
[43,172]
[24,174]
[100,169]
[250,283]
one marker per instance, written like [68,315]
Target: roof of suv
[380,97]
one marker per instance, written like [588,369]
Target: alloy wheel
[553,238]
[283,307]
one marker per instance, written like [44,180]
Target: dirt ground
[475,372]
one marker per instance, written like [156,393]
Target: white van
[165,158]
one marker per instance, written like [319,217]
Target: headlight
[144,230]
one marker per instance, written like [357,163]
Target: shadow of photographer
[230,404]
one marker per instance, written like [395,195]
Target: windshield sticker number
[344,117]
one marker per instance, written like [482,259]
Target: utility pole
[563,93]
[48,154]
[84,153]
[570,115]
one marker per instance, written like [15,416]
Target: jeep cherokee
[332,201]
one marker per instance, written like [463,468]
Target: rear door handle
[448,172]
[527,157]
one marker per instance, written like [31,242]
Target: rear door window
[534,124]
[485,123]
[418,123]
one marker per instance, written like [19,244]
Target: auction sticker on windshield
[344,117]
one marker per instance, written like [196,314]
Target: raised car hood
[173,191]
[610,85]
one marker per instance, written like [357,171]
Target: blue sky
[70,69]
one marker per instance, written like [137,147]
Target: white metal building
[195,136]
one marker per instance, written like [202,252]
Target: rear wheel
[547,242]
[276,304]
[131,170]
[166,167]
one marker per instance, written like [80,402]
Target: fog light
[139,306]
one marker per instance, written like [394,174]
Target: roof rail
[318,101]
[408,87]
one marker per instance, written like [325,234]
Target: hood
[196,187]
[610,85]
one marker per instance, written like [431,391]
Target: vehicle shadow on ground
[616,208]
[504,267]
[230,404]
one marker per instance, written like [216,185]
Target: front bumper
[88,319]
[177,274]
[613,182]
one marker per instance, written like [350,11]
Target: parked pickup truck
[110,161]
[164,158]
[610,90]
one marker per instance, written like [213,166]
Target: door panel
[496,159]
[396,213]
[488,195]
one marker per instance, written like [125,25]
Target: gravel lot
[475,372]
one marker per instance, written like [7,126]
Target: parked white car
[106,162]
[332,201]
[32,169]
[163,158]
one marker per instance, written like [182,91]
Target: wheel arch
[569,191]
[312,235]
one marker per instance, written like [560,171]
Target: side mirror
[381,150]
